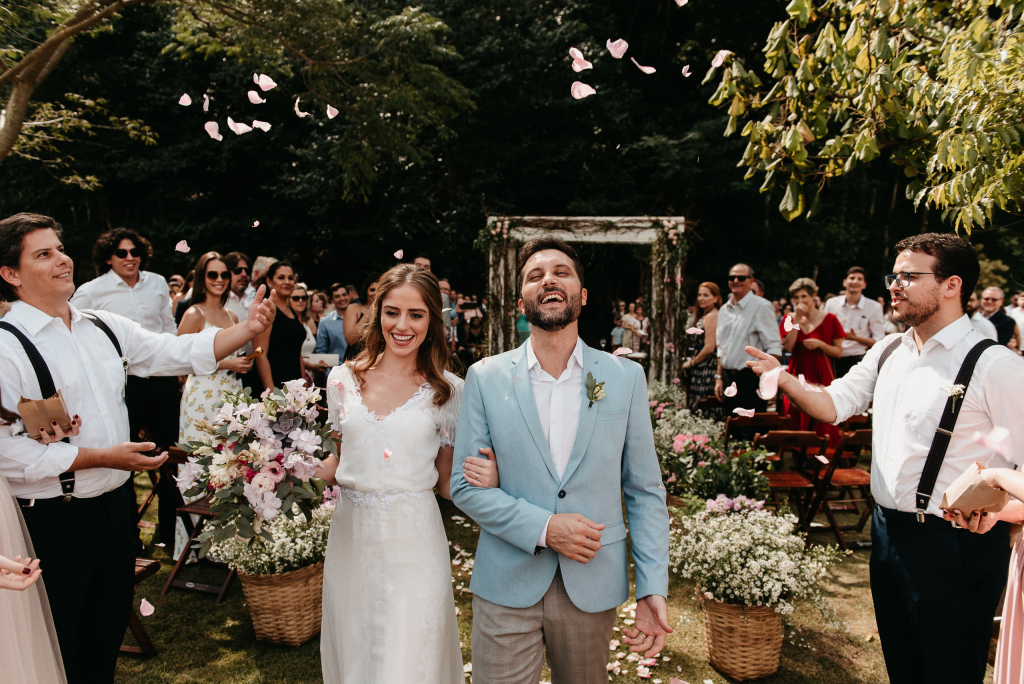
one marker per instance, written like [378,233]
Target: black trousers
[935,590]
[86,551]
[844,364]
[154,404]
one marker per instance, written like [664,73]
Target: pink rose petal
[694,331]
[256,79]
[579,65]
[331,112]
[262,125]
[185,100]
[731,390]
[746,413]
[255,98]
[265,82]
[671,347]
[682,2]
[646,70]
[387,455]
[622,351]
[256,224]
[238,128]
[182,247]
[788,324]
[676,381]
[575,54]
[301,115]
[821,458]
[581,90]
[998,441]
[719,59]
[146,608]
[206,103]
[806,385]
[686,71]
[213,128]
[769,384]
[617,48]
[399,254]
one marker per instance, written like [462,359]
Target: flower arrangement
[256,461]
[664,393]
[751,557]
[671,419]
[723,505]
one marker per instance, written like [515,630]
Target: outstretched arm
[818,405]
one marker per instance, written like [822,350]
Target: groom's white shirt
[558,408]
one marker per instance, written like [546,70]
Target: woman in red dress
[816,336]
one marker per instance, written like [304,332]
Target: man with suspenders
[78,515]
[935,585]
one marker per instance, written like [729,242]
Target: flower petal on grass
[265,82]
[331,112]
[581,90]
[301,115]
[998,441]
[622,351]
[182,247]
[719,59]
[255,98]
[146,608]
[399,254]
[185,100]
[617,48]
[731,390]
[213,128]
[645,69]
[262,125]
[694,331]
[746,413]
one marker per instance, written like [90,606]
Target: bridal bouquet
[256,460]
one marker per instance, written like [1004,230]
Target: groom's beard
[555,320]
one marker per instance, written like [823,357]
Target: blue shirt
[330,336]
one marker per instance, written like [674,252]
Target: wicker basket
[286,608]
[742,642]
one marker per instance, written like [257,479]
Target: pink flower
[653,404]
[264,482]
[275,471]
[676,381]
[671,347]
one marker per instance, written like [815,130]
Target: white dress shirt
[909,399]
[91,377]
[558,407]
[863,319]
[148,303]
[749,322]
[984,326]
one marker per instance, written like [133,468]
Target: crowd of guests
[630,326]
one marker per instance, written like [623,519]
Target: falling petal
[301,115]
[769,383]
[262,125]
[185,100]
[256,224]
[719,59]
[399,254]
[646,70]
[998,441]
[238,128]
[255,98]
[331,112]
[686,71]
[206,103]
[214,130]
[579,65]
[617,47]
[821,458]
[746,413]
[265,83]
[731,390]
[581,90]
[575,54]
[622,351]
[694,331]
[806,385]
[182,247]
[682,2]
[788,324]
[146,608]
[387,455]
[256,79]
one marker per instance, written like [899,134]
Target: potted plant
[750,569]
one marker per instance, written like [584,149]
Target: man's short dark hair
[12,241]
[954,256]
[539,245]
[856,269]
[423,255]
[335,287]
[105,245]
[760,285]
[231,260]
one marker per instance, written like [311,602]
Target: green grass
[199,643]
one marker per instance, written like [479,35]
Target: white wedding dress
[388,610]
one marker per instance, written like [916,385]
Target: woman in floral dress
[701,369]
[202,392]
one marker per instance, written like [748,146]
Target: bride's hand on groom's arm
[648,634]
[482,472]
[573,536]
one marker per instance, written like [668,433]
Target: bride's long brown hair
[432,356]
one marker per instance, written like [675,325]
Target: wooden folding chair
[763,422]
[143,568]
[842,482]
[798,484]
[709,404]
[200,508]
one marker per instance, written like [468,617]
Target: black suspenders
[45,379]
[940,442]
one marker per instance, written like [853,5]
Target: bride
[388,611]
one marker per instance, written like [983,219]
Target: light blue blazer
[613,458]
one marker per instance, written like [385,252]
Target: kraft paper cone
[40,413]
[971,493]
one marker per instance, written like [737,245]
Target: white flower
[225,414]
[305,440]
[302,468]
[264,482]
[188,474]
[252,494]
[269,506]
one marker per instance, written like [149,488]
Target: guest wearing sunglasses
[300,300]
[125,287]
[282,343]
[746,320]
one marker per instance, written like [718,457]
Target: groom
[551,565]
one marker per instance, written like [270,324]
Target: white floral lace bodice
[396,452]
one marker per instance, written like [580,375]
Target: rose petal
[256,79]
[331,112]
[185,100]
[746,413]
[646,70]
[238,128]
[206,103]
[579,65]
[255,98]
[182,247]
[146,608]
[262,125]
[682,2]
[694,331]
[617,48]
[731,390]
[399,254]
[387,455]
[213,128]
[998,440]
[788,324]
[806,385]
[719,59]
[256,224]
[265,82]
[301,115]
[575,54]
[769,384]
[686,71]
[821,458]
[581,90]
[622,351]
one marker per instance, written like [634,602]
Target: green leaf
[792,204]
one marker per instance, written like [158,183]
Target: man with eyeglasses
[746,320]
[980,323]
[992,309]
[933,387]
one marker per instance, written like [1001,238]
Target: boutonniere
[595,390]
[955,391]
[125,362]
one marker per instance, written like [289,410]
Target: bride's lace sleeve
[338,382]
[448,415]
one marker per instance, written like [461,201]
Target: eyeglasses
[239,270]
[299,298]
[123,253]
[903,278]
[214,275]
[738,279]
[991,299]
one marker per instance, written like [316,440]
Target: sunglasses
[214,275]
[239,270]
[123,253]
[738,279]
[299,298]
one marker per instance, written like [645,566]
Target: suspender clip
[920,515]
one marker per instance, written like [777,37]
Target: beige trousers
[509,643]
